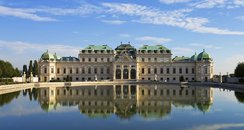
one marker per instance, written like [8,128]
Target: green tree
[6,69]
[25,69]
[239,70]
[30,68]
[1,72]
[17,72]
[35,68]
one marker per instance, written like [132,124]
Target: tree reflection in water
[239,96]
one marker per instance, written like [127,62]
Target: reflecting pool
[121,107]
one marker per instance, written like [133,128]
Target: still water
[120,107]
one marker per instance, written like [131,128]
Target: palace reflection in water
[126,100]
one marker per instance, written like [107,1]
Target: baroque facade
[126,63]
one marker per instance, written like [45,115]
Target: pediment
[125,58]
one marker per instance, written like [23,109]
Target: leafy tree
[239,70]
[6,69]
[17,73]
[35,68]
[25,69]
[30,68]
[1,72]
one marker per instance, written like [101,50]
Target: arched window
[118,74]
[133,73]
[125,74]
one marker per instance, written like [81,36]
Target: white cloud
[34,13]
[23,47]
[115,22]
[177,18]
[24,14]
[206,46]
[218,126]
[154,40]
[240,18]
[124,35]
[173,1]
[182,51]
[218,4]
[210,3]
[81,10]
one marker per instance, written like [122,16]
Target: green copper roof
[98,47]
[181,58]
[149,47]
[47,56]
[194,57]
[203,56]
[124,47]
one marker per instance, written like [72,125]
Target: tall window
[83,59]
[77,70]
[95,59]
[89,70]
[167,70]
[149,59]
[174,70]
[83,70]
[108,59]
[58,70]
[70,71]
[161,70]
[64,70]
[52,70]
[108,70]
[155,59]
[193,70]
[142,59]
[89,59]
[142,70]
[155,70]
[180,70]
[186,70]
[206,70]
[45,70]
[149,71]
[101,70]
[95,70]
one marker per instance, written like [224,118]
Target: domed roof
[194,57]
[47,56]
[203,56]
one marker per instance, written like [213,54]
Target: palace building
[126,63]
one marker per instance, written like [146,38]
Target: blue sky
[30,27]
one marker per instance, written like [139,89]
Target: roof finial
[203,50]
[129,42]
[121,42]
[47,50]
